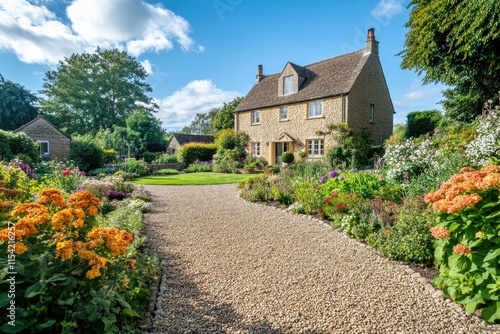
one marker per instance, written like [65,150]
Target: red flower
[321,212]
[340,205]
[66,172]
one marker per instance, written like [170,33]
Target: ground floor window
[256,149]
[43,147]
[315,148]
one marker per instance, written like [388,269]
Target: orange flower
[9,193]
[51,196]
[65,217]
[440,232]
[126,281]
[35,213]
[64,249]
[4,234]
[117,241]
[20,248]
[85,201]
[461,249]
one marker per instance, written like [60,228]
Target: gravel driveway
[237,267]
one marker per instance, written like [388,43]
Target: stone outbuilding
[284,111]
[52,142]
[179,139]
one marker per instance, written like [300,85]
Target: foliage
[224,119]
[62,175]
[144,130]
[353,150]
[17,105]
[136,167]
[15,183]
[411,158]
[18,144]
[271,188]
[421,122]
[229,140]
[287,157]
[201,178]
[85,154]
[166,171]
[456,43]
[108,170]
[167,159]
[467,245]
[199,166]
[408,239]
[202,123]
[93,91]
[363,184]
[191,152]
[487,143]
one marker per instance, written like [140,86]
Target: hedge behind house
[17,144]
[191,152]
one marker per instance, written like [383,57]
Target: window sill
[315,117]
[254,124]
[284,120]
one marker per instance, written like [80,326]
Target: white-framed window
[284,113]
[43,147]
[256,117]
[315,109]
[371,117]
[256,149]
[315,148]
[288,85]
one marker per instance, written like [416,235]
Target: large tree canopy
[16,105]
[202,123]
[95,91]
[225,117]
[456,43]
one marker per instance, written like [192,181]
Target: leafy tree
[225,117]
[421,122]
[86,154]
[16,105]
[95,91]
[456,43]
[202,123]
[145,130]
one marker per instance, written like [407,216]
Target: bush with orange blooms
[62,262]
[467,243]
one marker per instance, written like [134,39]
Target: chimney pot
[260,74]
[261,70]
[371,34]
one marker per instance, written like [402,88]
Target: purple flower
[405,176]
[332,174]
[322,179]
[341,178]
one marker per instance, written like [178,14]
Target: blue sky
[202,53]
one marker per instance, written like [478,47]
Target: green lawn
[193,179]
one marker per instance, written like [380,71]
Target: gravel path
[237,267]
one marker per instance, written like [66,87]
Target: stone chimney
[260,74]
[371,42]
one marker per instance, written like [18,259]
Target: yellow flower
[20,248]
[479,234]
[64,249]
[126,281]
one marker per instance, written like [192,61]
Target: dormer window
[288,85]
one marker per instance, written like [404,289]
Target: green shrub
[18,144]
[109,170]
[199,166]
[191,152]
[166,171]
[136,167]
[287,157]
[409,238]
[86,155]
[167,159]
[109,156]
[227,139]
[421,122]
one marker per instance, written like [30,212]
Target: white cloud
[37,35]
[147,66]
[387,9]
[198,96]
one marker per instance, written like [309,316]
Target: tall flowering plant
[59,252]
[467,246]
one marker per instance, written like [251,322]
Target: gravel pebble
[236,267]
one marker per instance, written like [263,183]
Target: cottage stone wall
[298,126]
[173,146]
[41,130]
[371,88]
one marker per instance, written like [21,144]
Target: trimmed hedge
[191,152]
[421,122]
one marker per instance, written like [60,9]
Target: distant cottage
[284,111]
[179,139]
[52,142]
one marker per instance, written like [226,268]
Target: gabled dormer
[291,79]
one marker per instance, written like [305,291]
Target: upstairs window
[255,117]
[284,113]
[371,117]
[315,109]
[288,85]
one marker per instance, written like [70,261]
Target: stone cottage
[179,139]
[284,111]
[52,142]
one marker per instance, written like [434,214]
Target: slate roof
[183,138]
[42,118]
[330,77]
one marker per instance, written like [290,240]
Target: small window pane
[315,108]
[288,84]
[255,117]
[284,113]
